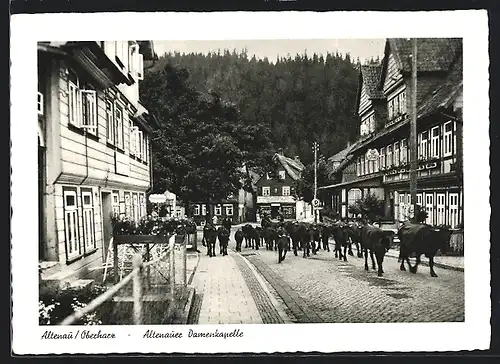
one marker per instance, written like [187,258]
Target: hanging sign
[372,154]
[315,203]
[157,198]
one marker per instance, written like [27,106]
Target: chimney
[348,144]
[297,159]
[280,151]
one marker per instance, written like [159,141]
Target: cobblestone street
[320,289]
[344,292]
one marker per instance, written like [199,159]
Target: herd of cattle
[415,240]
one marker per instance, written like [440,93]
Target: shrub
[55,306]
[152,226]
[369,207]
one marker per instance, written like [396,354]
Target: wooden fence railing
[165,275]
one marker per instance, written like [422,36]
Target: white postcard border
[474,333]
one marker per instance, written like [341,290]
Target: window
[402,207]
[128,210]
[218,210]
[142,206]
[435,142]
[396,154]
[143,146]
[40,103]
[119,126]
[266,191]
[440,209]
[372,123]
[447,139]
[204,210]
[429,208]
[423,145]
[135,207]
[110,123]
[286,191]
[382,157]
[453,208]
[140,67]
[376,165]
[71,233]
[358,167]
[82,105]
[419,199]
[229,210]
[391,109]
[88,220]
[116,204]
[402,102]
[404,151]
[196,210]
[282,174]
[363,166]
[389,156]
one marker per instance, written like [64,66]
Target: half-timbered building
[94,149]
[379,160]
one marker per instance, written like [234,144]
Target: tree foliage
[369,207]
[304,187]
[202,143]
[298,99]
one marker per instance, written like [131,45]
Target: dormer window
[397,105]
[282,174]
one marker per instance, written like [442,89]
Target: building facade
[379,161]
[94,149]
[275,192]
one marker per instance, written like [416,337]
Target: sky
[362,48]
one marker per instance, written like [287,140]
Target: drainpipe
[86,158]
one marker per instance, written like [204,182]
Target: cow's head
[443,236]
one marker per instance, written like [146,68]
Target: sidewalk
[226,298]
[445,262]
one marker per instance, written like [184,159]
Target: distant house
[94,149]
[238,207]
[378,162]
[275,195]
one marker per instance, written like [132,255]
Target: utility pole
[315,179]
[413,129]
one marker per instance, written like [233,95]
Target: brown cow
[421,239]
[376,241]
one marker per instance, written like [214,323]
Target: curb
[191,276]
[439,265]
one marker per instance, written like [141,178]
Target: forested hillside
[299,99]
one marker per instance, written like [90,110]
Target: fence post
[137,289]
[184,263]
[172,264]
[115,260]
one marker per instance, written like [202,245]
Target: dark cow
[260,232]
[376,241]
[227,223]
[354,233]
[315,238]
[247,233]
[238,237]
[341,237]
[210,238]
[325,237]
[305,239]
[223,235]
[421,239]
[283,244]
[292,230]
[255,238]
[270,236]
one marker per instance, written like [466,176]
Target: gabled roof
[293,167]
[369,76]
[442,96]
[433,54]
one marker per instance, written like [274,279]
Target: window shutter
[140,67]
[139,143]
[89,97]
[79,107]
[133,137]
[40,103]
